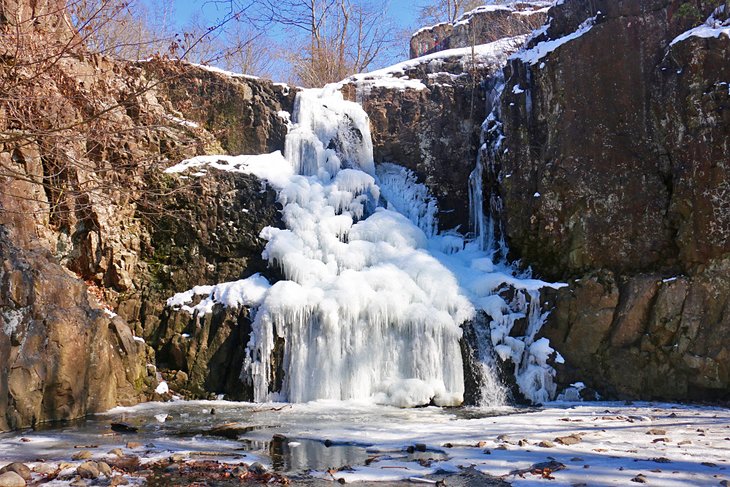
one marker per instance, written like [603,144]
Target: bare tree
[446,10]
[327,39]
[124,29]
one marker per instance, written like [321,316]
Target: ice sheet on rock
[542,49]
[328,134]
[271,167]
[400,187]
[373,296]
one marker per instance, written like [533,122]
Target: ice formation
[373,298]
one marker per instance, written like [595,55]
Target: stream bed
[317,443]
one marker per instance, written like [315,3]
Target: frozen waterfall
[374,298]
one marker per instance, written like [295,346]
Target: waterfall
[365,310]
[533,374]
[374,301]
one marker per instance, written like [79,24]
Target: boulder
[11,479]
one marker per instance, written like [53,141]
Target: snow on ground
[602,443]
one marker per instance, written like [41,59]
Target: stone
[19,468]
[116,451]
[88,470]
[45,468]
[657,432]
[257,468]
[104,469]
[132,445]
[546,444]
[82,455]
[11,479]
[568,440]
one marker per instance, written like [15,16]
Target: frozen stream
[668,444]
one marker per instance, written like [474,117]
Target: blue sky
[405,11]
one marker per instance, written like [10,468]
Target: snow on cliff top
[713,27]
[395,76]
[515,6]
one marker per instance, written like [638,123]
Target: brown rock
[82,455]
[19,468]
[568,440]
[630,198]
[11,479]
[546,444]
[88,470]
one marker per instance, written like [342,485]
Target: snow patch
[271,167]
[542,49]
[713,27]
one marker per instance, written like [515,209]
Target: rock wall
[480,26]
[427,115]
[89,224]
[614,178]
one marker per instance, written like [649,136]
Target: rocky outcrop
[88,221]
[426,115]
[480,26]
[613,171]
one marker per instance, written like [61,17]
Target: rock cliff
[482,25]
[89,223]
[613,176]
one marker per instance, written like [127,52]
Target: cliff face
[614,170]
[480,26]
[426,114]
[88,221]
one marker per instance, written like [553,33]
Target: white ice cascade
[365,312]
[514,301]
[374,299]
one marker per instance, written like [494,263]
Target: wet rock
[124,428]
[19,468]
[88,470]
[546,444]
[257,468]
[11,479]
[640,479]
[656,431]
[116,452]
[82,455]
[133,445]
